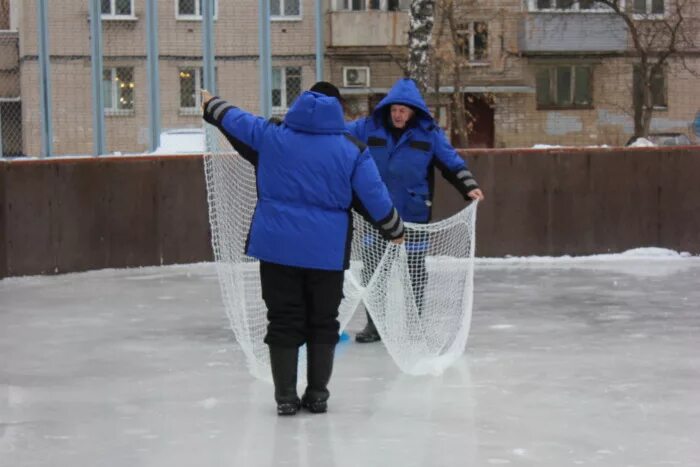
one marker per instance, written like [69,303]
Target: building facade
[557,72]
[553,72]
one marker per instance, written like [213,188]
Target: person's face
[400,115]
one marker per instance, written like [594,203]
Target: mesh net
[419,294]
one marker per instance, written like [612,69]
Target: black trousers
[302,304]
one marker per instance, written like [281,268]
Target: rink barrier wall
[571,201]
[75,214]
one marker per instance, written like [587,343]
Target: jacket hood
[404,92]
[313,112]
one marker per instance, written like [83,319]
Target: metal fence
[118,76]
[123,76]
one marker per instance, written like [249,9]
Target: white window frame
[470,34]
[113,16]
[198,72]
[197,7]
[336,5]
[664,77]
[552,91]
[12,17]
[283,17]
[365,68]
[116,111]
[649,15]
[576,8]
[198,86]
[282,109]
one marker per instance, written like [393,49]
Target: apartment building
[125,73]
[558,72]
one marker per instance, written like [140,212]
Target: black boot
[284,362]
[320,367]
[369,333]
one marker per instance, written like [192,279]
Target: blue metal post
[44,78]
[265,58]
[319,40]
[208,45]
[98,113]
[153,74]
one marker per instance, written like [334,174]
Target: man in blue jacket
[309,172]
[407,144]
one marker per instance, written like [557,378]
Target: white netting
[419,294]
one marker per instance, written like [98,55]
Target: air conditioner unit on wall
[356,76]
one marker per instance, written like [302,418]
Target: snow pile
[638,262]
[181,141]
[545,146]
[554,146]
[642,143]
[647,253]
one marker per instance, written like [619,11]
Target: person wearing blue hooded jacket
[406,145]
[309,172]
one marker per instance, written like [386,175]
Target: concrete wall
[370,28]
[519,123]
[572,32]
[67,215]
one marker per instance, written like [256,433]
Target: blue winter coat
[309,173]
[406,166]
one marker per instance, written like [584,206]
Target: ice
[569,362]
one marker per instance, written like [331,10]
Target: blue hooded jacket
[406,165]
[310,172]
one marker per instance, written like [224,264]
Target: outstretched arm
[454,169]
[244,130]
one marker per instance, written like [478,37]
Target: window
[10,127]
[191,84]
[286,86]
[356,5]
[648,7]
[5,15]
[362,5]
[564,87]
[192,9]
[285,8]
[657,87]
[117,8]
[567,5]
[118,89]
[474,39]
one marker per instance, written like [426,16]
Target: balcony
[369,28]
[549,33]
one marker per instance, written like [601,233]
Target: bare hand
[476,195]
[398,241]
[206,97]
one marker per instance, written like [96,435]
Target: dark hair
[324,87]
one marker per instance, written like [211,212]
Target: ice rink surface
[593,363]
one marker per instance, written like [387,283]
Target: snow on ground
[568,363]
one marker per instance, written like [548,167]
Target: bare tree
[451,57]
[660,31]
[440,56]
[421,19]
